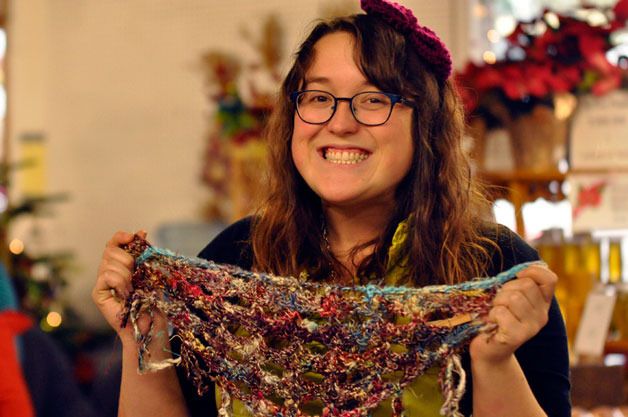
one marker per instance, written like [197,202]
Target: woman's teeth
[344,157]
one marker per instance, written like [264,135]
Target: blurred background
[146,114]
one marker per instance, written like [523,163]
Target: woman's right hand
[113,283]
[113,286]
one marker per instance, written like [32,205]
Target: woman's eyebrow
[326,80]
[322,80]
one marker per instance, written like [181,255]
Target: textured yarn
[283,345]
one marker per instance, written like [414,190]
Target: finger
[529,289]
[120,238]
[116,255]
[123,272]
[509,328]
[142,233]
[517,303]
[114,278]
[543,277]
[108,280]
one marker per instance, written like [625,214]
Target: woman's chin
[340,200]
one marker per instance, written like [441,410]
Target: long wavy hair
[438,196]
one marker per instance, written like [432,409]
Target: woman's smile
[344,156]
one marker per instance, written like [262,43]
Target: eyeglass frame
[394,99]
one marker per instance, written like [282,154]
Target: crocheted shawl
[282,345]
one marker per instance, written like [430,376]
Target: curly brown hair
[442,202]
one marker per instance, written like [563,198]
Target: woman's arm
[520,311]
[501,389]
[154,394]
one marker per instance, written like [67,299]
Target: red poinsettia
[570,57]
[621,12]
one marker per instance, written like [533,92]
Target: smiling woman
[368,184]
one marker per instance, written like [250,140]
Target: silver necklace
[332,275]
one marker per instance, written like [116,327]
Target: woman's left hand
[520,310]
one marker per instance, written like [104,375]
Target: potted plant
[548,62]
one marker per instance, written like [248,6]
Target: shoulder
[509,250]
[232,245]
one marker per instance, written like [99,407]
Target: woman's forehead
[335,59]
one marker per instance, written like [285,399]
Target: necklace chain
[332,274]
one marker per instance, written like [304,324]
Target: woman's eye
[373,101]
[320,99]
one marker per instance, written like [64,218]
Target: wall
[115,89]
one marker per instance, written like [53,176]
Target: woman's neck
[348,228]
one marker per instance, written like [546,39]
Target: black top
[544,358]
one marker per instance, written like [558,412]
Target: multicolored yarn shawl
[282,345]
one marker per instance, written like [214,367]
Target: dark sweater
[544,358]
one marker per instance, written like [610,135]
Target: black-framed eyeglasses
[370,108]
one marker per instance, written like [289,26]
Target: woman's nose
[343,122]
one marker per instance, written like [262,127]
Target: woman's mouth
[344,156]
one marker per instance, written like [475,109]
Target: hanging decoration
[235,153]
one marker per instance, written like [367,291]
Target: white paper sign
[599,133]
[598,201]
[594,324]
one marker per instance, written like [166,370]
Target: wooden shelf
[522,186]
[499,177]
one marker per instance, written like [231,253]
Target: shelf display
[547,119]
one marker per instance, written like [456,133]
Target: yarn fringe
[453,385]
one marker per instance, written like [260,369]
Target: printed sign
[599,201]
[594,324]
[599,133]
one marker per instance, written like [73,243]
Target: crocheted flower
[426,42]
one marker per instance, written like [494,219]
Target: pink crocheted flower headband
[428,45]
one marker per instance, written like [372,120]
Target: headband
[425,41]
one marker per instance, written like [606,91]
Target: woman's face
[380,156]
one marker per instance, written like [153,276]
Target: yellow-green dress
[422,397]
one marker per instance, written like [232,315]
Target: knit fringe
[453,392]
[225,409]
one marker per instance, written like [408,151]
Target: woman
[368,183]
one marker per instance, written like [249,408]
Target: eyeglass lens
[369,108]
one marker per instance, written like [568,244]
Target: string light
[479,10]
[564,105]
[493,36]
[489,57]
[16,246]
[505,24]
[552,20]
[619,36]
[54,319]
